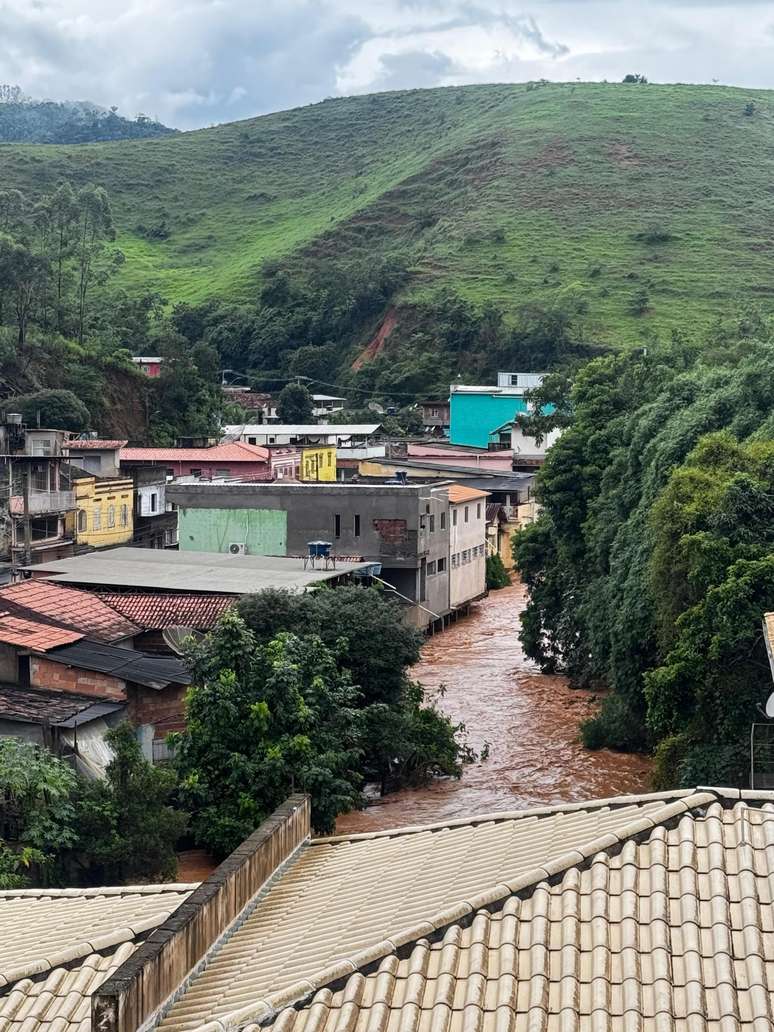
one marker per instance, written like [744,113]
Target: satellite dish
[770,707]
[176,638]
[374,406]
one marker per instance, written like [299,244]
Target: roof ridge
[101,890]
[498,816]
[263,1010]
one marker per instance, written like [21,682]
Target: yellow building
[318,464]
[104,511]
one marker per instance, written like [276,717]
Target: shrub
[496,574]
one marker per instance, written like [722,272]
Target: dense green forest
[24,120]
[638,208]
[653,561]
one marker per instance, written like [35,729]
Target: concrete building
[104,510]
[404,527]
[520,445]
[100,457]
[155,521]
[343,435]
[467,544]
[435,417]
[35,496]
[149,364]
[476,412]
[318,464]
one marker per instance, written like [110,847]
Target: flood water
[528,720]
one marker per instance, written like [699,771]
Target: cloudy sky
[197,62]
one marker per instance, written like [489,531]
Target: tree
[264,720]
[127,826]
[36,811]
[496,574]
[294,404]
[94,228]
[56,409]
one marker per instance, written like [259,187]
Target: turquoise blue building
[475,412]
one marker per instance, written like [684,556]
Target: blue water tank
[319,549]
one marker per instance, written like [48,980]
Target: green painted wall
[265,531]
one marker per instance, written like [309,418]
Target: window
[39,480]
[357,524]
[111,516]
[154,501]
[432,524]
[443,521]
[478,511]
[467,513]
[455,560]
[44,527]
[427,508]
[83,521]
[431,569]
[442,565]
[466,555]
[330,458]
[337,525]
[169,474]
[222,472]
[196,472]
[454,517]
[96,519]
[124,515]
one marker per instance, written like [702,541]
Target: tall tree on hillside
[59,220]
[95,227]
[295,404]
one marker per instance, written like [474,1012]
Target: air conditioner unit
[237,548]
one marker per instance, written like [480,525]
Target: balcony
[44,501]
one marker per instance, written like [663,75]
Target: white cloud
[194,62]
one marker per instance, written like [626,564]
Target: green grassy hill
[509,193]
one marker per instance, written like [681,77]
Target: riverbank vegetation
[289,694]
[652,563]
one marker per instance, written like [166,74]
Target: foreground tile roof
[157,611]
[42,929]
[79,610]
[343,897]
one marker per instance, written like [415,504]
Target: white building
[511,436]
[467,544]
[340,434]
[524,381]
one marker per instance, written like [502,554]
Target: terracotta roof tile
[460,493]
[157,611]
[29,634]
[81,611]
[235,451]
[93,443]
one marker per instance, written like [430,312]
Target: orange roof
[39,637]
[460,493]
[236,451]
[81,611]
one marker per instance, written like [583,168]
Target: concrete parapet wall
[140,986]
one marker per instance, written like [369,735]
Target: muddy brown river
[528,720]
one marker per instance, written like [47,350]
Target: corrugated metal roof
[300,429]
[199,572]
[139,667]
[234,451]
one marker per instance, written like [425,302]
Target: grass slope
[508,193]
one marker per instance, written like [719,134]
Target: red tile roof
[27,634]
[82,611]
[460,493]
[235,451]
[93,442]
[156,611]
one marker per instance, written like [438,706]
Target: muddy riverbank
[528,720]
